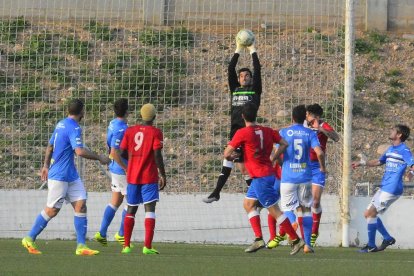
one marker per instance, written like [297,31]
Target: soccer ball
[245,37]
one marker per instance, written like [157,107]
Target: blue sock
[81,226]
[291,216]
[39,224]
[372,230]
[121,228]
[382,230]
[307,227]
[107,219]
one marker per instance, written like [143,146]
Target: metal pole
[348,97]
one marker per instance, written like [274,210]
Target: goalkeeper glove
[252,48]
[239,48]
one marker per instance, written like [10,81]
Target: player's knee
[132,209]
[51,212]
[249,205]
[316,204]
[150,207]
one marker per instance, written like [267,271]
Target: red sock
[271,222]
[129,222]
[316,221]
[149,231]
[300,222]
[254,219]
[287,227]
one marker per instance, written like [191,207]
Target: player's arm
[230,154]
[232,74]
[283,145]
[370,163]
[116,155]
[85,153]
[257,74]
[48,157]
[332,134]
[159,161]
[321,158]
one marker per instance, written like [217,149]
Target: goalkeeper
[244,87]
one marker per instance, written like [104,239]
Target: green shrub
[174,38]
[9,29]
[99,31]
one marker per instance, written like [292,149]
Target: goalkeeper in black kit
[245,86]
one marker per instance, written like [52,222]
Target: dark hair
[404,131]
[244,70]
[249,112]
[315,109]
[299,113]
[121,107]
[75,107]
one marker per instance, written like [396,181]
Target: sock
[108,216]
[224,175]
[149,229]
[287,227]
[271,222]
[307,227]
[372,229]
[81,226]
[316,216]
[40,223]
[121,228]
[291,216]
[382,230]
[128,227]
[254,219]
[300,222]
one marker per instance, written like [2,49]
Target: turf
[59,258]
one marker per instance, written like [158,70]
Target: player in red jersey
[324,131]
[145,175]
[257,143]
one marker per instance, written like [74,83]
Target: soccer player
[296,188]
[396,159]
[145,175]
[117,167]
[63,179]
[244,87]
[257,142]
[324,131]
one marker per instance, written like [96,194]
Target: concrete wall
[185,218]
[369,14]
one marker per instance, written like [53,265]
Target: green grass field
[59,258]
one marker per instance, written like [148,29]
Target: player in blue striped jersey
[296,188]
[117,167]
[396,159]
[64,183]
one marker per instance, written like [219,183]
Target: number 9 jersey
[296,159]
[141,141]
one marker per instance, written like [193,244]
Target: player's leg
[134,198]
[109,214]
[119,236]
[318,183]
[305,201]
[150,197]
[386,199]
[316,212]
[370,215]
[110,210]
[249,205]
[55,198]
[222,179]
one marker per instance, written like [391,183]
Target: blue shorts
[145,193]
[263,189]
[318,177]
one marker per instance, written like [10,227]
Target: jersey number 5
[297,144]
[138,139]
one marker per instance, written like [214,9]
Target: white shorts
[119,183]
[382,200]
[59,191]
[295,195]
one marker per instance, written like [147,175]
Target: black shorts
[239,159]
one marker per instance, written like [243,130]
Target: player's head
[249,112]
[313,113]
[399,132]
[121,107]
[299,114]
[148,112]
[245,77]
[76,108]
